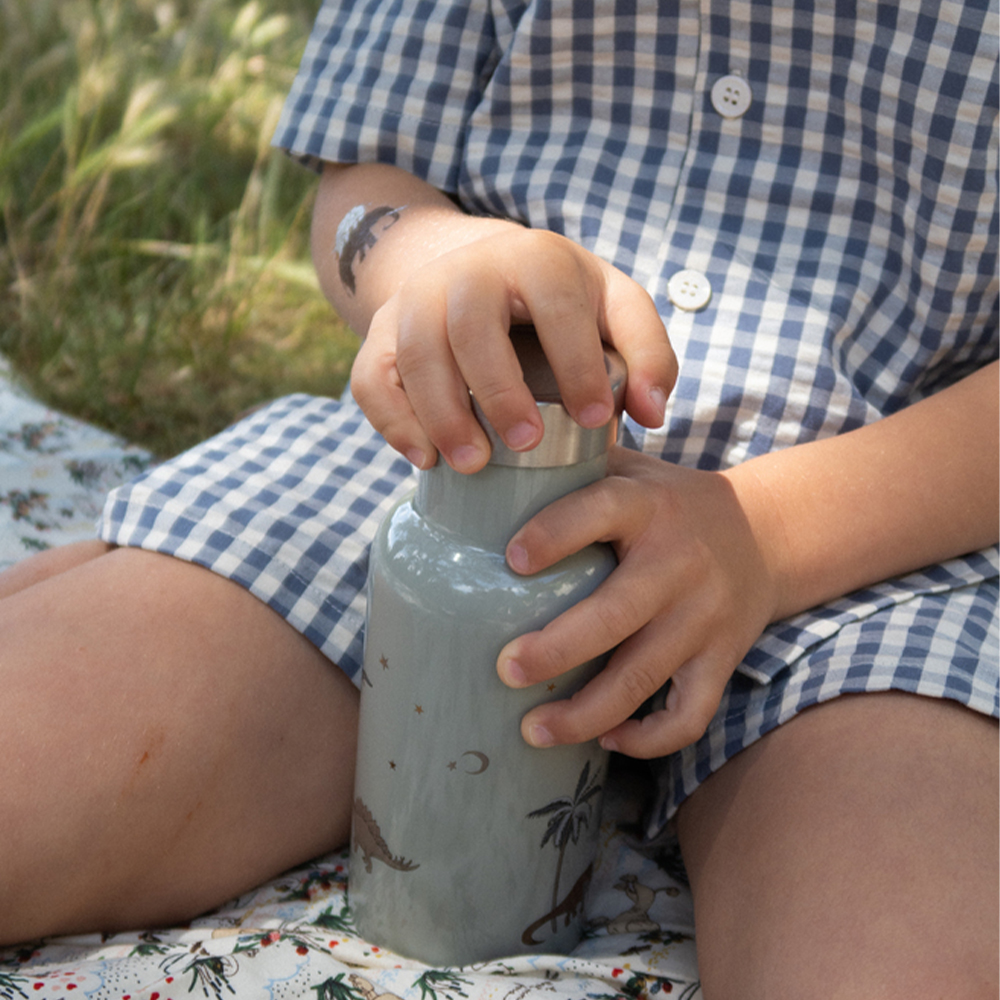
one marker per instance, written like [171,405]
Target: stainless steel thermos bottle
[467,843]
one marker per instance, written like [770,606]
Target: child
[804,512]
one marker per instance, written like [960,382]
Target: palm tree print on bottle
[567,818]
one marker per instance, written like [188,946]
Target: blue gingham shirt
[844,224]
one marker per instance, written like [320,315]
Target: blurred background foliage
[154,268]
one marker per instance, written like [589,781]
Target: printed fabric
[294,937]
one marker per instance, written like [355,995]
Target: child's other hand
[692,592]
[446,330]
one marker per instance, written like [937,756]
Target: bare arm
[375,262]
[434,292]
[708,559]
[915,488]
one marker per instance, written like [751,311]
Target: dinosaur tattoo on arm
[357,233]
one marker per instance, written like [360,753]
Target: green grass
[154,271]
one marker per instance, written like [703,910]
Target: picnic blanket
[294,936]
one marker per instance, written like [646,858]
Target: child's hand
[446,331]
[691,594]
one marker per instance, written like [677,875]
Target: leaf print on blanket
[30,436]
[444,980]
[640,986]
[354,988]
[10,986]
[93,475]
[210,972]
[150,945]
[28,505]
[342,921]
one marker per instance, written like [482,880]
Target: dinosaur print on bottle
[569,908]
[367,838]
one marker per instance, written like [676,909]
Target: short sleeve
[390,81]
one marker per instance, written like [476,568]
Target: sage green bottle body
[469,844]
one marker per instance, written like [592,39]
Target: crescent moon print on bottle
[484,761]
[486,844]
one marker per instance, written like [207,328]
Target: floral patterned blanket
[54,473]
[294,936]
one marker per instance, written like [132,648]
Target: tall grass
[154,273]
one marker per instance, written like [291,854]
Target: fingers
[562,289]
[633,326]
[446,332]
[613,508]
[478,336]
[408,379]
[614,694]
[443,334]
[687,600]
[378,388]
[633,608]
[621,606]
[696,688]
[670,645]
[664,650]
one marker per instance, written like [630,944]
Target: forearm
[399,223]
[912,489]
[434,292]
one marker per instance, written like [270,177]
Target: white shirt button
[731,96]
[689,290]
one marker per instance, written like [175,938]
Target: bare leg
[168,742]
[47,563]
[851,853]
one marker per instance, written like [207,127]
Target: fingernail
[465,456]
[539,736]
[517,558]
[595,415]
[416,457]
[608,743]
[521,435]
[513,674]
[659,399]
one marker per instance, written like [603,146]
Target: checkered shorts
[838,221]
[287,501]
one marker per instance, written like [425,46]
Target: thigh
[48,563]
[852,852]
[169,742]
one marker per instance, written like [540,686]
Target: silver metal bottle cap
[564,441]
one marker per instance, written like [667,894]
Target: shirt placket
[722,94]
